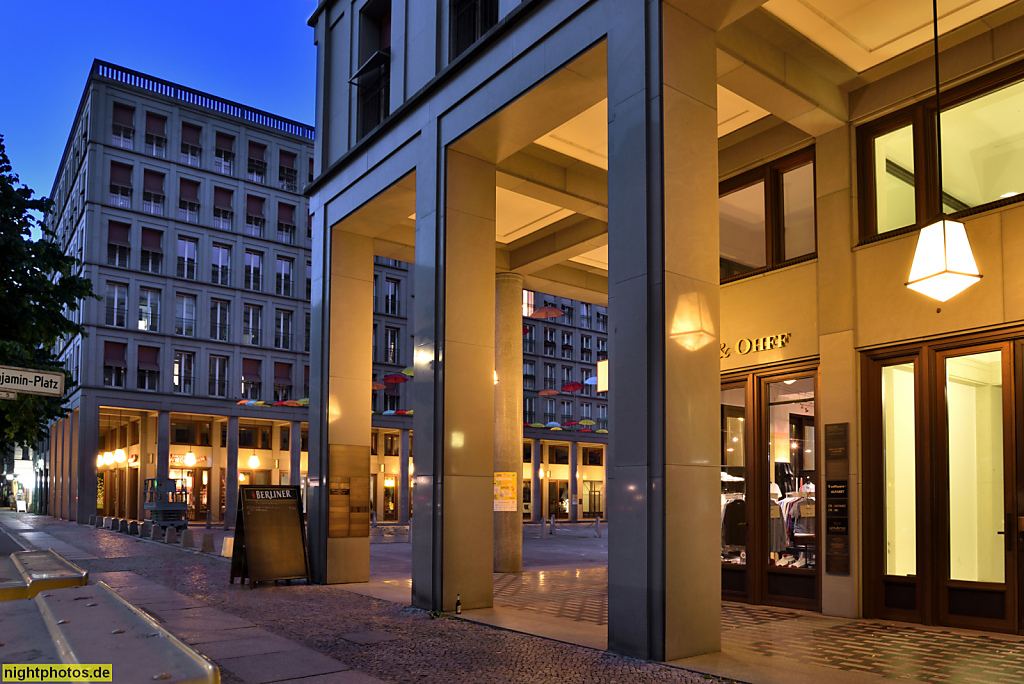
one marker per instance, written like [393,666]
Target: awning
[151,240]
[188,190]
[117,233]
[288,159]
[222,198]
[225,142]
[113,354]
[257,150]
[254,205]
[124,115]
[283,374]
[156,124]
[191,134]
[286,213]
[120,174]
[251,370]
[149,358]
[153,181]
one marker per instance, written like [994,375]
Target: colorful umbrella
[395,378]
[554,424]
[602,432]
[587,421]
[409,412]
[304,401]
[242,402]
[526,330]
[537,425]
[407,371]
[389,413]
[586,430]
[547,312]
[280,403]
[548,392]
[556,429]
[569,422]
[377,385]
[592,380]
[292,402]
[572,387]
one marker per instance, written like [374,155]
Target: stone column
[508,415]
[454,383]
[88,447]
[349,371]
[574,483]
[403,479]
[663,286]
[231,475]
[163,445]
[216,464]
[536,495]
[295,454]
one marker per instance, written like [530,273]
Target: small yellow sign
[505,493]
[58,673]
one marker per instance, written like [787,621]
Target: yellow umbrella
[407,371]
[587,421]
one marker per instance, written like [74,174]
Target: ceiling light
[190,459]
[1008,195]
[254,462]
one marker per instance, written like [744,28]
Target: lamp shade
[99,460]
[693,324]
[108,458]
[943,262]
[120,456]
[190,459]
[254,462]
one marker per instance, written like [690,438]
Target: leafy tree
[37,282]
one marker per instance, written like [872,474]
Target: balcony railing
[602,424]
[549,349]
[391,306]
[286,233]
[529,416]
[282,340]
[251,336]
[120,196]
[529,381]
[566,417]
[548,417]
[223,219]
[550,383]
[284,286]
[254,226]
[529,346]
[584,321]
[220,275]
[186,268]
[156,145]
[218,387]
[188,211]
[253,281]
[219,332]
[224,162]
[190,154]
[153,203]
[185,327]
[149,321]
[122,136]
[257,171]
[287,179]
[117,316]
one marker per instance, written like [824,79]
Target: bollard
[598,523]
[123,528]
[147,529]
[209,519]
[187,541]
[156,533]
[99,522]
[207,544]
[106,522]
[92,520]
[543,524]
[552,525]
[133,528]
[171,535]
[227,547]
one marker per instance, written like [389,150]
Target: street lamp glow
[254,462]
[120,456]
[190,459]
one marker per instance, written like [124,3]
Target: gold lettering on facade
[745,345]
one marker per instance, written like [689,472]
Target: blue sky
[256,52]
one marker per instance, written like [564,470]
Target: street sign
[8,395]
[31,381]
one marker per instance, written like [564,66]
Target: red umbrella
[586,430]
[280,403]
[547,392]
[572,387]
[547,312]
[570,422]
[395,378]
[526,330]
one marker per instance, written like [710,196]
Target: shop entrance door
[976,564]
[558,499]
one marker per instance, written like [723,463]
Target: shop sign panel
[270,535]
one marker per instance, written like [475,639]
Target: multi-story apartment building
[186,211]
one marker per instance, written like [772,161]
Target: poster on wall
[505,494]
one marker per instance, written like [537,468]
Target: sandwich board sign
[270,535]
[31,381]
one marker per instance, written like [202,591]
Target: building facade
[186,213]
[744,185]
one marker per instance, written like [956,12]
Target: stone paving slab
[249,646]
[368,637]
[281,666]
[346,677]
[197,638]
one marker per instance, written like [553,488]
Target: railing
[224,162]
[185,327]
[282,340]
[286,233]
[117,316]
[586,355]
[528,417]
[251,336]
[182,386]
[529,346]
[602,424]
[550,383]
[186,268]
[549,349]
[584,321]
[220,275]
[218,387]
[566,417]
[219,332]
[254,226]
[253,281]
[190,154]
[391,306]
[529,381]
[287,179]
[156,145]
[153,203]
[548,417]
[120,196]
[188,211]
[149,322]
[198,98]
[602,323]
[284,286]
[257,171]
[222,219]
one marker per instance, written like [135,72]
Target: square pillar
[508,416]
[453,386]
[574,483]
[231,475]
[403,482]
[536,495]
[664,568]
[88,446]
[295,454]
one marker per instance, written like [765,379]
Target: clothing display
[734,522]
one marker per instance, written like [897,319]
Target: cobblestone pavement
[405,644]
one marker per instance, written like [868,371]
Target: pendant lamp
[943,264]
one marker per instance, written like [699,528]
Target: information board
[270,535]
[506,496]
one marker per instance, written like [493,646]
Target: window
[117,305]
[283,280]
[305,388]
[286,223]
[220,264]
[391,297]
[149,309]
[153,192]
[252,324]
[191,144]
[156,135]
[527,303]
[184,364]
[529,375]
[308,335]
[549,341]
[123,126]
[252,380]
[152,251]
[185,315]
[602,322]
[224,155]
[470,19]
[287,173]
[584,315]
[282,329]
[767,216]
[117,244]
[602,416]
[567,314]
[114,364]
[602,349]
[566,411]
[585,410]
[284,434]
[566,344]
[254,221]
[188,201]
[187,258]
[549,410]
[223,214]
[120,185]
[390,345]
[253,271]
[529,339]
[391,402]
[282,381]
[549,376]
[218,376]
[588,389]
[220,315]
[148,375]
[373,77]
[593,456]
[981,162]
[585,348]
[309,281]
[529,410]
[257,169]
[566,375]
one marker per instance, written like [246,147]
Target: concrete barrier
[99,521]
[124,526]
[171,535]
[92,520]
[156,533]
[106,522]
[27,573]
[146,530]
[133,527]
[207,544]
[187,539]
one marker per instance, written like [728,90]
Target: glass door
[975,465]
